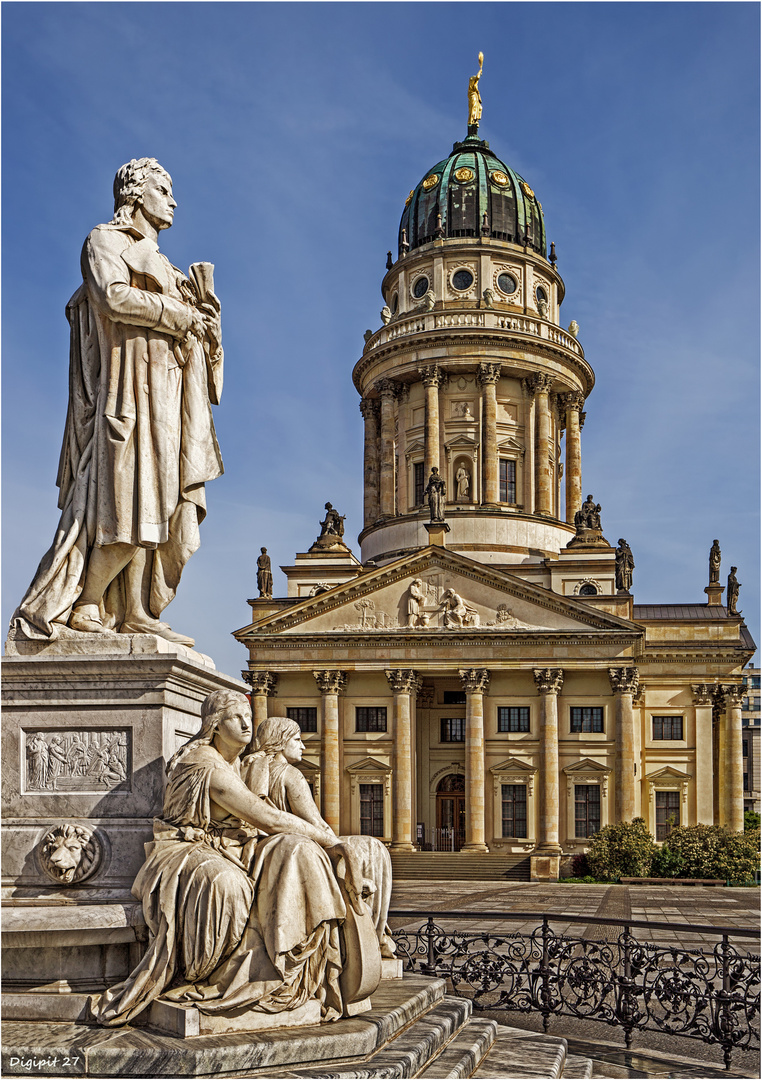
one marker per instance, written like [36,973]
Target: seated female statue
[271,770]
[240,897]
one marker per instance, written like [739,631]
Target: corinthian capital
[731,694]
[573,399]
[624,680]
[703,693]
[488,373]
[331,682]
[474,680]
[537,383]
[369,408]
[387,388]
[431,375]
[262,683]
[403,681]
[549,680]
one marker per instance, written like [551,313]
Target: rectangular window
[514,799]
[305,716]
[587,809]
[370,718]
[454,697]
[668,727]
[507,481]
[755,704]
[755,682]
[513,718]
[452,729]
[745,748]
[418,483]
[372,809]
[587,718]
[746,784]
[745,704]
[667,813]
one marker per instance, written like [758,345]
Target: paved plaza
[654,1054]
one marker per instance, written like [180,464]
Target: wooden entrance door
[451,813]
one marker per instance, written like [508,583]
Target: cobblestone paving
[680,905]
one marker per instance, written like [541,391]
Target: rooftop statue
[623,566]
[732,594]
[139,443]
[243,899]
[715,559]
[589,515]
[264,575]
[435,493]
[474,97]
[333,523]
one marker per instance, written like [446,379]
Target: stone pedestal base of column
[402,846]
[437,531]
[544,867]
[475,849]
[714,594]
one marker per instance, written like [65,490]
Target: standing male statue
[715,558]
[139,443]
[435,493]
[264,575]
[732,594]
[624,564]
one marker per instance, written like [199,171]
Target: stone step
[523,1055]
[139,1052]
[457,866]
[580,1068]
[463,1053]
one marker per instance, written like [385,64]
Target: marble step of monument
[577,1068]
[137,1051]
[523,1055]
[463,1053]
[459,866]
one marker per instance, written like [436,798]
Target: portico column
[732,694]
[624,684]
[330,684]
[369,409]
[431,377]
[549,682]
[702,703]
[475,682]
[572,403]
[387,390]
[404,684]
[487,377]
[540,385]
[262,685]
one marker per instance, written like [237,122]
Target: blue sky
[293,133]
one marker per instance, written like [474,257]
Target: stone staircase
[414,1029]
[459,866]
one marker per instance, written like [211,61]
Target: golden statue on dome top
[475,99]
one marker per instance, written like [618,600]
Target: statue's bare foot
[87,619]
[160,629]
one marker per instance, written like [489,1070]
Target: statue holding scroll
[139,444]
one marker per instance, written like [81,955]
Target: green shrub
[623,850]
[751,820]
[709,851]
[667,863]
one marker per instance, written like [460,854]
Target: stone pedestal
[89,722]
[437,531]
[544,867]
[714,594]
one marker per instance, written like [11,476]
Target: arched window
[451,783]
[588,590]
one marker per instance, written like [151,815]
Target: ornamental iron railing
[710,994]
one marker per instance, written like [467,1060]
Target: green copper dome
[466,186]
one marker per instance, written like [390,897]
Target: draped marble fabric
[237,920]
[139,442]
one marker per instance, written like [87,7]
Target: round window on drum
[420,287]
[507,284]
[462,280]
[540,293]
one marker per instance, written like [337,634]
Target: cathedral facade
[481,679]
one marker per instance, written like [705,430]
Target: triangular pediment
[513,765]
[669,773]
[586,765]
[369,765]
[436,591]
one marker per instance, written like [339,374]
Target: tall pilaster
[387,389]
[624,684]
[702,704]
[432,378]
[540,385]
[488,376]
[370,409]
[572,404]
[549,682]
[404,685]
[732,694]
[330,684]
[262,685]
[475,682]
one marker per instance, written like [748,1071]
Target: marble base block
[391,969]
[187,1021]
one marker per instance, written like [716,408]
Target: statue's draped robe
[139,441]
[236,920]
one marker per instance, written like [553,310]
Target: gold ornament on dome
[474,97]
[431,181]
[498,177]
[526,189]
[464,174]
[407,200]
